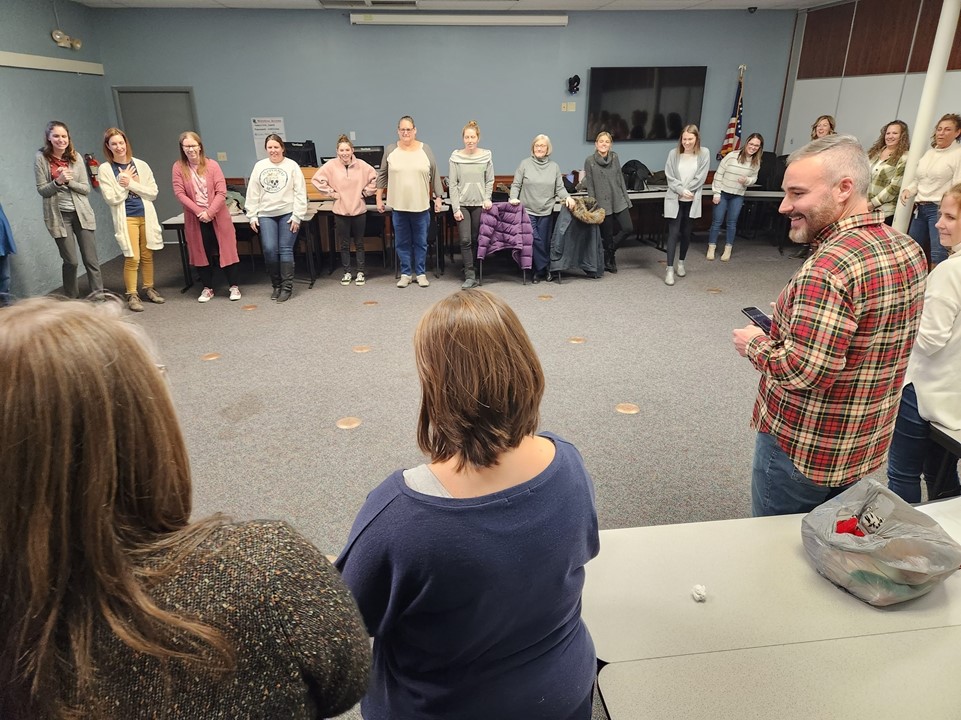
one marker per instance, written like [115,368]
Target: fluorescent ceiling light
[437,19]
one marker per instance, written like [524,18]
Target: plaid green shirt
[833,366]
[885,185]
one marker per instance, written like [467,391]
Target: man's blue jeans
[729,205]
[276,239]
[924,232]
[778,487]
[410,240]
[912,451]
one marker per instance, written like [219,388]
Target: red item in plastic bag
[848,527]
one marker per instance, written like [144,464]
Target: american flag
[732,138]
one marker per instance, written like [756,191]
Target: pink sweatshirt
[348,184]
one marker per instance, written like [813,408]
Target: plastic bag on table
[873,544]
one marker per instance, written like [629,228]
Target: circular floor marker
[576,340]
[361,348]
[210,356]
[370,302]
[715,291]
[248,307]
[545,297]
[348,423]
[627,408]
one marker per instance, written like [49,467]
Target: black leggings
[212,251]
[623,219]
[679,228]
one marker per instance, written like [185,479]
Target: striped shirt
[833,366]
[727,177]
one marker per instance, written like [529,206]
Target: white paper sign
[263,127]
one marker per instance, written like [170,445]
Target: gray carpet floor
[260,418]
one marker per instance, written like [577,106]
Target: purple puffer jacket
[506,226]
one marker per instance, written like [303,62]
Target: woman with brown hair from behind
[115,604]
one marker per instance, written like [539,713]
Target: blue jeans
[925,234]
[729,205]
[778,487]
[542,225]
[276,239]
[410,239]
[912,452]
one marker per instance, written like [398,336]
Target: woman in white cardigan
[129,188]
[686,172]
[932,383]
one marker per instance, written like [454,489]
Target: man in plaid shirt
[833,365]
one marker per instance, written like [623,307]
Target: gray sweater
[78,188]
[538,184]
[605,182]
[471,179]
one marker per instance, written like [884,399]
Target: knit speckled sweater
[302,651]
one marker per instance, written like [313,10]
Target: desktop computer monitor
[303,153]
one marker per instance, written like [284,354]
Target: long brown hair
[184,163]
[70,155]
[902,147]
[743,157]
[107,152]
[481,381]
[95,480]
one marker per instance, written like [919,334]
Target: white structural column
[924,122]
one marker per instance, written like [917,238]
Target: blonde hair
[472,125]
[481,381]
[902,147]
[604,132]
[814,126]
[544,139]
[95,479]
[690,130]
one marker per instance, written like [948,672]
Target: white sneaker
[360,279]
[422,280]
[234,292]
[726,255]
[710,251]
[681,272]
[206,295]
[669,277]
[346,279]
[404,281]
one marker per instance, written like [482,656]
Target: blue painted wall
[31,98]
[324,77]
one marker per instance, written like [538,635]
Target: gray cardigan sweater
[78,188]
[675,188]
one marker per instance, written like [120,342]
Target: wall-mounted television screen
[644,103]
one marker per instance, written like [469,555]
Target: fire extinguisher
[93,169]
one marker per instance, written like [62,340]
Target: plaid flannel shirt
[886,185]
[833,366]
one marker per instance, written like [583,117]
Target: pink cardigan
[217,209]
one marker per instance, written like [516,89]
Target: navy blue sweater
[475,603]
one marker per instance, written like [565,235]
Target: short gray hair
[846,158]
[542,138]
